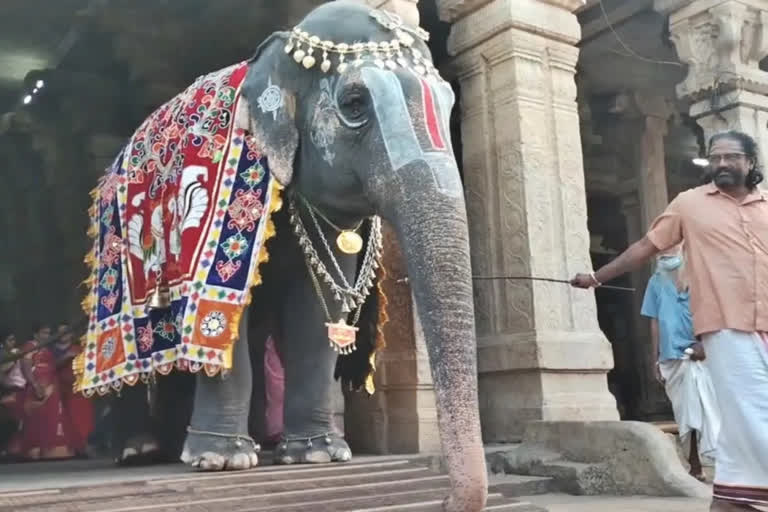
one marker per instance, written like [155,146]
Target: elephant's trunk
[427,210]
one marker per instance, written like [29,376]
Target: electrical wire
[632,53]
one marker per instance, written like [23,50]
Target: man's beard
[728,178]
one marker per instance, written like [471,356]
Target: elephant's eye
[354,108]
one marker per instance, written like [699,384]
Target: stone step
[519,485]
[385,484]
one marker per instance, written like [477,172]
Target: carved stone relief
[721,43]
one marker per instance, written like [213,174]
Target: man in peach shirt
[724,224]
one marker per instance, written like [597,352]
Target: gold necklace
[348,241]
[341,334]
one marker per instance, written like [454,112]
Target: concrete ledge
[605,457]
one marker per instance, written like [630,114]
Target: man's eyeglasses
[728,158]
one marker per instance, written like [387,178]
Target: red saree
[78,409]
[45,431]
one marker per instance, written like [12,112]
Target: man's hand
[583,281]
[636,255]
[698,352]
[659,376]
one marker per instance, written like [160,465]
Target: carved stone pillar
[541,354]
[723,42]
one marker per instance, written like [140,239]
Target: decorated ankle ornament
[327,440]
[398,52]
[240,439]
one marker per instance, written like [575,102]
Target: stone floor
[567,503]
[370,484]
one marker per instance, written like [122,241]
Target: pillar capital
[451,10]
[485,20]
[406,9]
[722,41]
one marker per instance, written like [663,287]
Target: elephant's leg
[309,364]
[133,440]
[218,436]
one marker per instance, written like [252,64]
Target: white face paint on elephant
[417,129]
[325,121]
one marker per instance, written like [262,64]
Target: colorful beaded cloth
[183,212]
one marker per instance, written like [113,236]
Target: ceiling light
[40,84]
[701,162]
[27,99]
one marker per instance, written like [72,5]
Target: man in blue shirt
[679,366]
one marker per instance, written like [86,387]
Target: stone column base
[603,457]
[547,375]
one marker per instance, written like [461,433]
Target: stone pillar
[653,198]
[723,42]
[633,128]
[407,9]
[541,354]
[652,182]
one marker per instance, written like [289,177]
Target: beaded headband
[390,54]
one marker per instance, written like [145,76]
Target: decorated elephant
[278,172]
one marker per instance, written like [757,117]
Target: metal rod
[547,279]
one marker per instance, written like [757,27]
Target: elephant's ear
[270,90]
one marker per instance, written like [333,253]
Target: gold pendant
[349,242]
[342,337]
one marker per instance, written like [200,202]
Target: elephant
[350,122]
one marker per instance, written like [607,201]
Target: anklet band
[285,440]
[239,438]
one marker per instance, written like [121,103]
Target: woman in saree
[12,387]
[45,431]
[77,409]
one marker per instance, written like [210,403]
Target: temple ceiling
[33,35]
[631,51]
[163,42]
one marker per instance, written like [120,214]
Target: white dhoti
[694,402]
[738,365]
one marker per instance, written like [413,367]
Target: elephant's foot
[213,451]
[315,450]
[139,449]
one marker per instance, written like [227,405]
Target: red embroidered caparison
[184,210]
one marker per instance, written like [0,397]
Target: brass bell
[161,299]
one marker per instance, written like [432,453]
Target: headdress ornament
[397,52]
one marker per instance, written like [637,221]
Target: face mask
[669,263]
